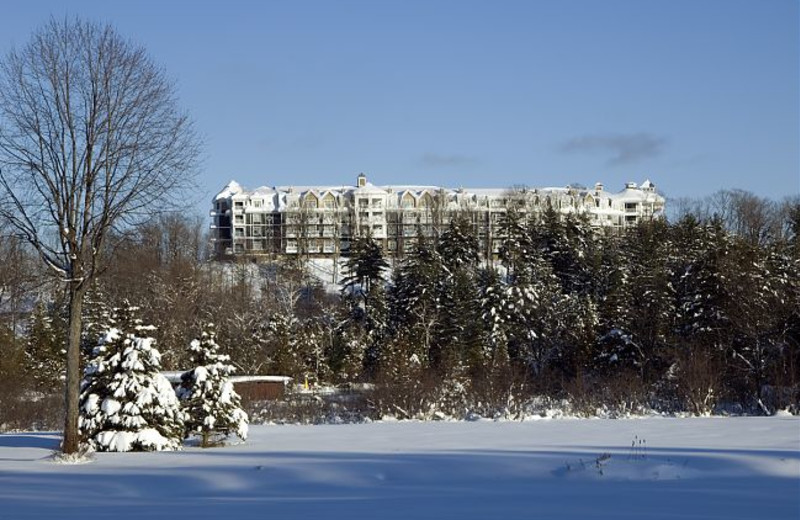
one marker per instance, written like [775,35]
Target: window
[238,204]
[256,203]
[631,206]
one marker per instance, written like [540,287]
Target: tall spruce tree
[702,324]
[365,295]
[636,335]
[458,345]
[364,281]
[415,297]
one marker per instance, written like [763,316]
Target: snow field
[731,468]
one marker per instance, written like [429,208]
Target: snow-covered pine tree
[516,246]
[637,314]
[283,346]
[702,327]
[211,404]
[533,305]
[125,403]
[458,334]
[566,241]
[96,319]
[364,266]
[495,320]
[364,294]
[416,297]
[458,246]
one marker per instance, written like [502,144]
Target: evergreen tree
[96,319]
[568,245]
[516,246]
[125,403]
[45,348]
[495,319]
[458,336]
[351,353]
[364,266]
[533,303]
[458,245]
[760,287]
[415,297]
[284,345]
[314,350]
[211,404]
[416,286]
[702,325]
[364,293]
[637,331]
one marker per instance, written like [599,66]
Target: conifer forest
[696,314]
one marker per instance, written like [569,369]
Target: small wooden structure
[250,388]
[261,388]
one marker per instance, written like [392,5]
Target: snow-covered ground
[726,468]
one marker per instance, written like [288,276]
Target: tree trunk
[71,398]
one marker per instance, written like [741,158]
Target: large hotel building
[318,221]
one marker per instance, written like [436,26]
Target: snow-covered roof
[628,194]
[369,189]
[174,377]
[260,379]
[228,191]
[276,197]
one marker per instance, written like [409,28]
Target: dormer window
[361,181]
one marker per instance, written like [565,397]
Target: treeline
[700,314]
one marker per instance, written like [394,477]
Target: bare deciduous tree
[91,141]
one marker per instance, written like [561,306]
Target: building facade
[320,221]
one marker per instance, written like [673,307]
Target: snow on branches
[125,403]
[211,404]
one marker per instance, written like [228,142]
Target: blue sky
[697,95]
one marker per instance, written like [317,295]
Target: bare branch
[91,143]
